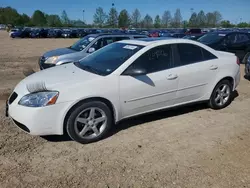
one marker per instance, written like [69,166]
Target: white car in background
[124,79]
[12,31]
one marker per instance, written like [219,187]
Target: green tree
[100,17]
[38,18]
[148,21]
[65,19]
[242,25]
[177,20]
[25,19]
[193,20]
[136,18]
[217,17]
[113,18]
[157,22]
[166,19]
[9,15]
[53,20]
[123,19]
[210,19]
[201,19]
[226,24]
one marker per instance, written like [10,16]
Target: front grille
[12,97]
[21,126]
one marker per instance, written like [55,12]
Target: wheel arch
[229,78]
[78,103]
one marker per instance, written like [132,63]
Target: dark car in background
[234,42]
[81,33]
[21,33]
[82,48]
[39,33]
[193,36]
[177,35]
[54,33]
[69,33]
[193,31]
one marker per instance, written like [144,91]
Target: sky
[233,10]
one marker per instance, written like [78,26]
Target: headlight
[39,99]
[51,60]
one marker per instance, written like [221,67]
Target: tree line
[115,19]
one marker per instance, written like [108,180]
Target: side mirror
[135,72]
[91,50]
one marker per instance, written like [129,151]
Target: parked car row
[80,32]
[50,33]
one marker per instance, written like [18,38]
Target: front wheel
[89,122]
[221,96]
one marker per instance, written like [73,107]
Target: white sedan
[127,78]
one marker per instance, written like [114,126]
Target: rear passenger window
[189,54]
[207,55]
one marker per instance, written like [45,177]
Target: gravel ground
[188,147]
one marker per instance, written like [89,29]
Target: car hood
[58,52]
[55,78]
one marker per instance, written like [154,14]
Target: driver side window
[155,59]
[102,42]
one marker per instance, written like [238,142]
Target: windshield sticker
[222,35]
[130,47]
[91,38]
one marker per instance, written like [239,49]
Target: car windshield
[108,59]
[211,37]
[82,43]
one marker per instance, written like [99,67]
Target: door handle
[213,67]
[172,77]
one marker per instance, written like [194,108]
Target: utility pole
[83,15]
[113,4]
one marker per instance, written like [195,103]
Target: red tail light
[238,61]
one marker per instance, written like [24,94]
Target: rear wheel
[222,95]
[89,122]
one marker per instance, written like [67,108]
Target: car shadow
[162,114]
[145,118]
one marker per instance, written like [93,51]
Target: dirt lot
[188,147]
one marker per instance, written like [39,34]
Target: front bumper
[39,121]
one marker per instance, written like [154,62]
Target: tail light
[238,61]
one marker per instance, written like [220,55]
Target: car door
[154,90]
[197,70]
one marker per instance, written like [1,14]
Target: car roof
[221,32]
[149,41]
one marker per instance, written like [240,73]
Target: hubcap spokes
[90,123]
[222,94]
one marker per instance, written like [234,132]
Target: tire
[214,103]
[247,66]
[81,122]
